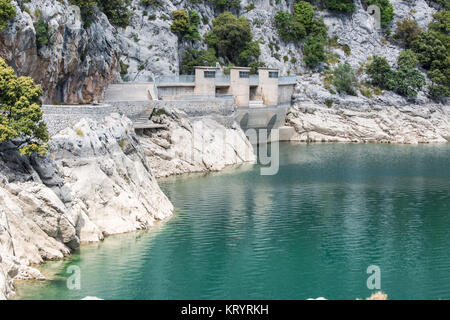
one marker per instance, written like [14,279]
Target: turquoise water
[311,230]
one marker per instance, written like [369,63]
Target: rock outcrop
[370,123]
[80,59]
[95,182]
[188,145]
[75,64]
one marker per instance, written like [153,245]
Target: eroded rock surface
[370,123]
[189,145]
[95,182]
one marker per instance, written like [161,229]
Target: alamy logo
[270,164]
[74,281]
[375,13]
[374,280]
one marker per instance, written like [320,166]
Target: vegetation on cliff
[7,12]
[20,112]
[116,10]
[295,27]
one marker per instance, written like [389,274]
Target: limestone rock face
[95,182]
[76,63]
[370,123]
[189,145]
[79,61]
[109,177]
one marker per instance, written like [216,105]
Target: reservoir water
[312,230]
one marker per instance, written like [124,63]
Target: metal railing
[223,80]
[176,79]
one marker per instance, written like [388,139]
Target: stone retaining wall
[58,117]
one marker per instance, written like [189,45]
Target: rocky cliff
[96,182]
[189,145]
[412,124]
[80,59]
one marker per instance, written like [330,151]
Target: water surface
[311,230]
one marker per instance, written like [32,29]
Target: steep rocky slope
[189,145]
[370,123]
[80,60]
[96,182]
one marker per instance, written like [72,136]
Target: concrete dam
[254,101]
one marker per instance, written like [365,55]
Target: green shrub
[194,58]
[440,79]
[185,24]
[344,79]
[314,46]
[7,12]
[340,5]
[42,33]
[408,59]
[123,68]
[406,80]
[20,112]
[304,13]
[222,5]
[231,37]
[255,65]
[366,92]
[288,28]
[116,10]
[429,49]
[380,72]
[407,31]
[329,103]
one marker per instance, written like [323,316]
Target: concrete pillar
[240,85]
[205,81]
[268,86]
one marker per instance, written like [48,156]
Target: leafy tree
[180,22]
[194,58]
[304,13]
[250,53]
[429,49]
[344,79]
[116,10]
[185,24]
[42,33]
[314,46]
[288,27]
[20,113]
[7,12]
[340,5]
[380,72]
[408,59]
[222,5]
[440,79]
[408,81]
[407,31]
[230,36]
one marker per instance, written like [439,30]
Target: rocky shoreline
[408,124]
[99,179]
